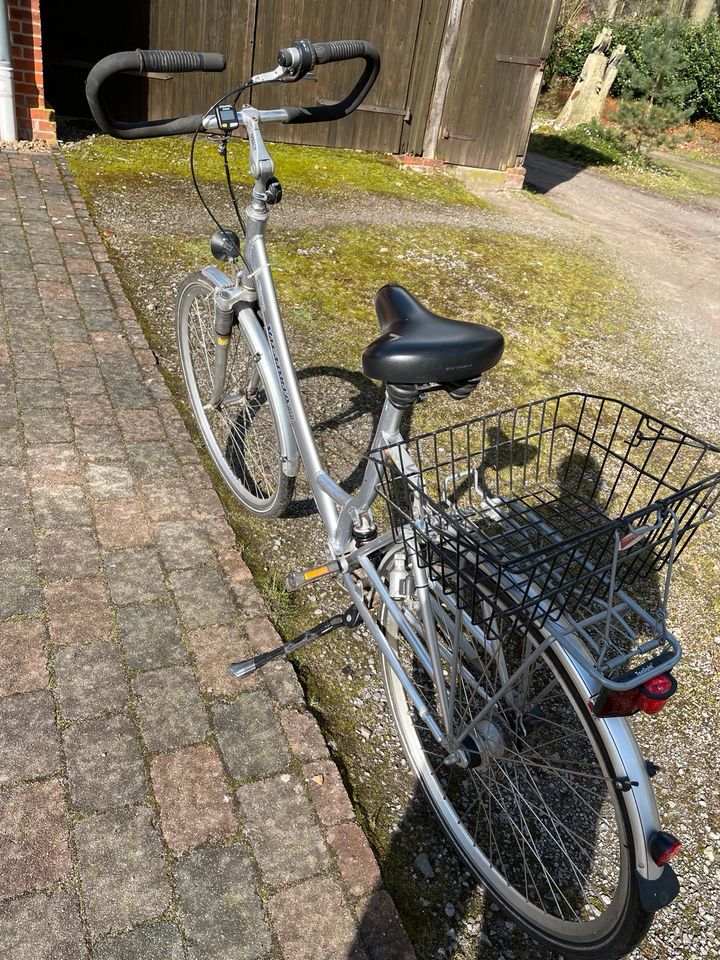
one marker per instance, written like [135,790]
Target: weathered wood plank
[488,103]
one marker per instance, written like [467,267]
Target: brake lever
[272,76]
[286,79]
[279,75]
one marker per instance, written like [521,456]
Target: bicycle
[503,598]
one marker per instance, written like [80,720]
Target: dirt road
[672,247]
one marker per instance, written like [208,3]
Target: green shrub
[654,97]
[702,49]
[698,43]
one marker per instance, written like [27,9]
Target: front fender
[247,318]
[252,329]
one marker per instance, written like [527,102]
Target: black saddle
[419,347]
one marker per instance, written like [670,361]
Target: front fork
[224,319]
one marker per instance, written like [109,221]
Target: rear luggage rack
[566,513]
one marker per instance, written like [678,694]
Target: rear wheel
[241,433]
[535,814]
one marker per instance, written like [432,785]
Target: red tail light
[663,847]
[649,697]
[655,693]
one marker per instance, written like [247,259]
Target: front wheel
[241,433]
[535,814]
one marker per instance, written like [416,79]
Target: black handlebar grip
[336,50]
[333,52]
[180,61]
[144,61]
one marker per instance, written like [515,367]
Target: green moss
[541,296]
[318,170]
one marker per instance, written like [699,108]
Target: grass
[317,170]
[596,146]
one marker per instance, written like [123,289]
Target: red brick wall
[34,120]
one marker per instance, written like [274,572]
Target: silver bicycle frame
[341,512]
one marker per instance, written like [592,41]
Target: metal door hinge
[524,61]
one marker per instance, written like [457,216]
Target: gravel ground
[658,363]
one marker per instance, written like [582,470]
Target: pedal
[243,668]
[303,578]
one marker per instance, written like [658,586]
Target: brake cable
[236,92]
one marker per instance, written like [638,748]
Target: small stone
[449,910]
[422,862]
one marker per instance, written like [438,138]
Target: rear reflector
[649,697]
[663,847]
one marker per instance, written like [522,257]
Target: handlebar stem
[261,163]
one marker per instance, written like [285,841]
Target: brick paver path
[150,807]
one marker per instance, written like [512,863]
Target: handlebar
[145,61]
[333,52]
[294,63]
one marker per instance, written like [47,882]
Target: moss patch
[542,297]
[319,170]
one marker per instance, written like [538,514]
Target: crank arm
[243,668]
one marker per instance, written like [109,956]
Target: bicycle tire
[242,437]
[623,922]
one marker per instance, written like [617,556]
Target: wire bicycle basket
[566,513]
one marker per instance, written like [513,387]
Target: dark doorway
[78,33]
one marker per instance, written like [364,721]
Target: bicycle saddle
[417,346]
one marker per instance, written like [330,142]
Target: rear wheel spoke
[536,807]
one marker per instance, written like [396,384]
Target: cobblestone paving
[150,807]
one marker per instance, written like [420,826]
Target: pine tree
[653,93]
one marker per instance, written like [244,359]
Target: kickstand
[243,668]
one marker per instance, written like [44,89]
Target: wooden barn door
[391,26]
[494,81]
